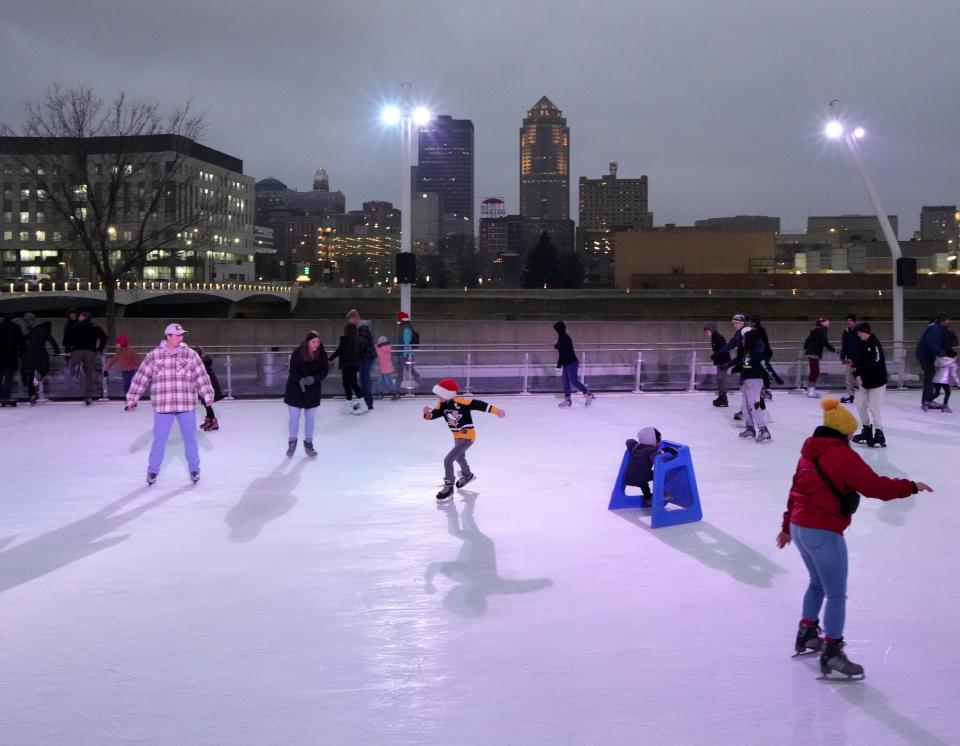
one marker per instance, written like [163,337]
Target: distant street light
[835,130]
[406,114]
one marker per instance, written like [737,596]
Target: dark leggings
[945,388]
[350,386]
[814,369]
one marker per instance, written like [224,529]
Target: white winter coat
[946,371]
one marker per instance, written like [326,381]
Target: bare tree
[112,176]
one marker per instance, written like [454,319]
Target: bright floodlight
[834,129]
[390,115]
[859,132]
[421,115]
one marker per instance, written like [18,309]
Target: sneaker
[194,476]
[151,477]
[738,416]
[721,401]
[446,492]
[589,399]
[763,435]
[465,479]
[749,432]
[565,403]
[812,393]
[848,399]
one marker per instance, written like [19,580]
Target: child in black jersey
[457,411]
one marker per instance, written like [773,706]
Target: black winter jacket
[12,344]
[308,395]
[849,344]
[366,347]
[88,336]
[753,362]
[640,466]
[869,365]
[37,340]
[564,346]
[717,342]
[816,342]
[348,350]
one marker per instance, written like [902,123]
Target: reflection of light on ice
[279,600]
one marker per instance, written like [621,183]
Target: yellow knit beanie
[838,417]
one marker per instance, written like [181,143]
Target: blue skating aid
[672,475]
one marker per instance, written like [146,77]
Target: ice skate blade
[840,677]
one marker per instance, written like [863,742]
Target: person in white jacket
[945,377]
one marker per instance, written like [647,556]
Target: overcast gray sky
[720,103]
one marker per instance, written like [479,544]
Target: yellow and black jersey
[458,415]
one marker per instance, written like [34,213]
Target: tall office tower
[545,163]
[939,223]
[445,168]
[609,201]
[321,183]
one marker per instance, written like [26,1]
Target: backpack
[415,339]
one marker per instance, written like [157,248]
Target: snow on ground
[332,602]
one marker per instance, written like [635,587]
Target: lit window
[41,235]
[24,235]
[24,217]
[8,235]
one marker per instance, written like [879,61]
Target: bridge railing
[493,369]
[146,286]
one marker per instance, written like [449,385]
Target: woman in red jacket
[815,521]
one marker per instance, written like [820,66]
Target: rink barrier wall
[491,369]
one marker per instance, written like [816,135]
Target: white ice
[332,602]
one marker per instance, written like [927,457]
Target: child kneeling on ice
[643,452]
[457,411]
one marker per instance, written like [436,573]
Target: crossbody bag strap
[825,478]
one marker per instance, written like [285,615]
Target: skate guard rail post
[258,371]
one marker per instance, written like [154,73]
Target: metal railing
[247,372]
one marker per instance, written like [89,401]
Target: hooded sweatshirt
[564,346]
[812,504]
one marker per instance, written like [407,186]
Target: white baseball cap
[174,329]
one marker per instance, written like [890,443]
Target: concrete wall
[287,333]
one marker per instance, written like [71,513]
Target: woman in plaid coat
[176,377]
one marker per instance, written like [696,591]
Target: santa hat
[446,389]
[403,316]
[123,340]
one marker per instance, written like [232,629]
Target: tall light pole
[406,115]
[851,138]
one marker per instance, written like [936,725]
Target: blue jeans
[366,366]
[162,423]
[127,379]
[571,380]
[309,415]
[825,555]
[387,382]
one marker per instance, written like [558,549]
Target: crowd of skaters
[826,486]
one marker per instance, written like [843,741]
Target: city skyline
[722,109]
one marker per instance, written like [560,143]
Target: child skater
[643,452]
[946,375]
[385,364]
[457,411]
[127,359]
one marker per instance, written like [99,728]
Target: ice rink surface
[332,602]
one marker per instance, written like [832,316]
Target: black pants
[350,385]
[6,383]
[929,390]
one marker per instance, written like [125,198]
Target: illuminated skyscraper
[445,168]
[545,163]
